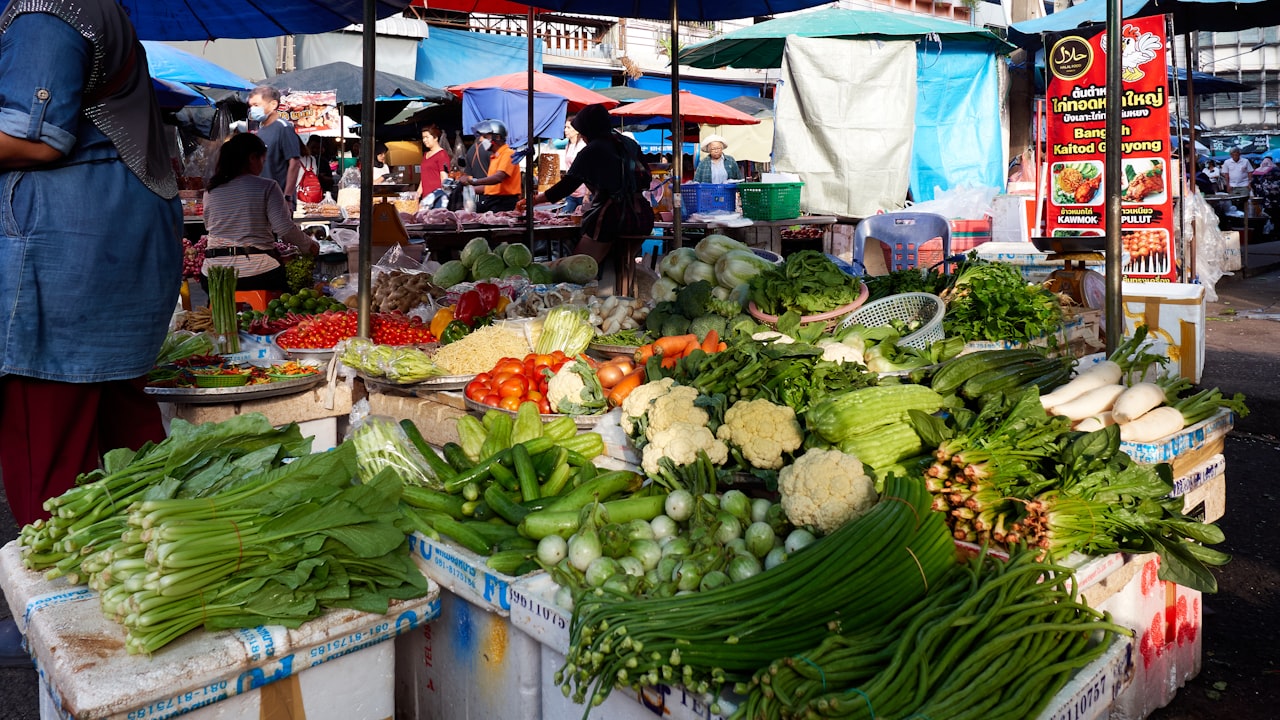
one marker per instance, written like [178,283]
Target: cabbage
[516,255]
[674,263]
[487,266]
[472,251]
[712,247]
[451,273]
[664,290]
[737,267]
[698,270]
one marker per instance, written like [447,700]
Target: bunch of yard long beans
[862,575]
[222,301]
[993,642]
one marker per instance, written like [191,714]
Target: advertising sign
[312,112]
[1076,129]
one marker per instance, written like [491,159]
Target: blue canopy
[175,95]
[1188,16]
[212,19]
[169,63]
[512,108]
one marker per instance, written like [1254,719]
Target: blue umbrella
[212,19]
[175,95]
[169,63]
[511,107]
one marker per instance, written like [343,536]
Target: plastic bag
[380,443]
[534,300]
[962,202]
[1211,246]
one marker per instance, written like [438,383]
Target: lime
[285,298]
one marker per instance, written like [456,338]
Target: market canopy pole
[369,98]
[1115,89]
[677,128]
[530,172]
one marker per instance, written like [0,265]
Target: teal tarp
[957,140]
[456,57]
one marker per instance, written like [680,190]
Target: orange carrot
[623,388]
[669,361]
[673,345]
[721,347]
[643,353]
[710,342]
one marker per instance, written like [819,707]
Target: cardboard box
[434,413]
[229,675]
[1204,490]
[1174,314]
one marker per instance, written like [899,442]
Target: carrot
[710,342]
[623,388]
[721,347]
[643,353]
[673,345]
[669,361]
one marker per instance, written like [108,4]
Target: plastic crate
[770,201]
[707,197]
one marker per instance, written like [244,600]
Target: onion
[609,375]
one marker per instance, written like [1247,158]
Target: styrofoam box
[462,572]
[1204,490]
[1188,439]
[1063,336]
[1174,314]
[1094,688]
[1167,620]
[88,675]
[1231,260]
[470,663]
[1032,263]
[534,612]
[1089,570]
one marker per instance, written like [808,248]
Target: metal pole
[530,173]
[1187,243]
[1112,180]
[677,127]
[367,122]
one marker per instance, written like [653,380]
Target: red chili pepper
[489,295]
[470,307]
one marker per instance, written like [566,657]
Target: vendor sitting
[717,167]
[243,215]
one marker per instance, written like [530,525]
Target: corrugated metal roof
[398,26]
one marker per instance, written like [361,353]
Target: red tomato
[533,395]
[516,387]
[558,356]
[509,403]
[529,367]
[501,377]
[508,365]
[477,390]
[541,361]
[482,377]
[544,407]
[492,399]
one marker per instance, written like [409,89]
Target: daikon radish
[1138,401]
[1154,425]
[1097,400]
[1095,422]
[1104,373]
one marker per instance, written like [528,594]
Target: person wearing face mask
[284,164]
[502,183]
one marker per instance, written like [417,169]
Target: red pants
[50,432]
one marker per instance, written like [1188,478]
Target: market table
[1244,201]
[764,234]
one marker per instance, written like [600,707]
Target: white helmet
[489,127]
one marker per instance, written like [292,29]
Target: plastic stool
[652,246]
[256,299]
[904,233]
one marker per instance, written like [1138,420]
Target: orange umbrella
[693,109]
[578,96]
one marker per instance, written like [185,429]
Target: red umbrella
[693,109]
[578,96]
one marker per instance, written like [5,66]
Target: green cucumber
[526,477]
[457,458]
[1006,378]
[506,562]
[564,523]
[428,499]
[506,508]
[953,373]
[441,468]
[462,533]
[597,489]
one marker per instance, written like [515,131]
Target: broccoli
[724,308]
[675,325]
[693,299]
[742,322]
[705,324]
[658,316]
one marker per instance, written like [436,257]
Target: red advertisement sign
[1076,144]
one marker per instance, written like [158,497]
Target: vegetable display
[807,282]
[402,364]
[222,302]
[327,329]
[991,301]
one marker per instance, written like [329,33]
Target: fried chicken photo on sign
[1148,183]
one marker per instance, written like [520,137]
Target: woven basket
[831,317]
[906,307]
[221,381]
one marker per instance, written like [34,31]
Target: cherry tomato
[476,390]
[516,386]
[533,396]
[492,399]
[509,403]
[544,407]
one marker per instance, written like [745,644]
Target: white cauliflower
[640,400]
[762,431]
[674,408]
[825,489]
[680,442]
[575,390]
[842,351]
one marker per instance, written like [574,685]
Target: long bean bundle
[863,574]
[995,642]
[222,301]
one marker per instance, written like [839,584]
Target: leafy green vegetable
[991,301]
[808,282]
[905,281]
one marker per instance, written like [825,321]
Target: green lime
[286,298]
[311,305]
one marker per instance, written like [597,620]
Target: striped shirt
[249,211]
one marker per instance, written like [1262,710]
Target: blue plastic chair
[904,233]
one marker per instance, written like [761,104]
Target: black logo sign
[1071,58]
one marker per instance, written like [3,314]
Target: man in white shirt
[1238,171]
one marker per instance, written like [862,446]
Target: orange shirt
[502,160]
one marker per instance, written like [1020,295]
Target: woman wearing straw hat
[717,167]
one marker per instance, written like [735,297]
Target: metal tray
[1077,244]
[243,393]
[614,350]
[585,422]
[320,354]
[444,382]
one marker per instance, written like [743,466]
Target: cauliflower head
[574,390]
[639,401]
[674,408]
[680,442]
[825,489]
[762,431]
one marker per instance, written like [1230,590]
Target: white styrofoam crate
[1188,439]
[87,674]
[1062,335]
[1091,692]
[462,572]
[1089,569]
[1200,476]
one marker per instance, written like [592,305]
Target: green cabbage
[539,274]
[450,274]
[487,266]
[712,247]
[698,270]
[517,255]
[737,267]
[472,251]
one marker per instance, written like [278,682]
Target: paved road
[1240,655]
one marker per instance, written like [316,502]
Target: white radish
[1104,373]
[1154,425]
[1138,401]
[1097,400]
[1095,422]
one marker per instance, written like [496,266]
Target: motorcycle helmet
[489,127]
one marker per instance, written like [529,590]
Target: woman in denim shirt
[90,252]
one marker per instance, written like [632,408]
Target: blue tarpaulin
[454,57]
[957,138]
[588,79]
[512,108]
[717,91]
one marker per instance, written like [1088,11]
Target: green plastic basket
[221,381]
[770,201]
